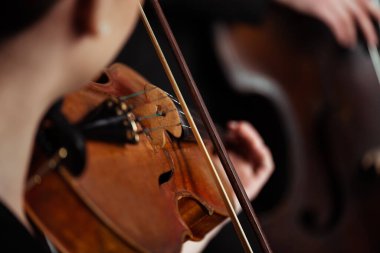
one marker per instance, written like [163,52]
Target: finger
[363,18]
[256,166]
[256,150]
[266,165]
[237,134]
[329,16]
[248,137]
[346,19]
[230,138]
[372,8]
[263,170]
[232,125]
[252,181]
[249,140]
[245,129]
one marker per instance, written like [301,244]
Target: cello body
[328,104]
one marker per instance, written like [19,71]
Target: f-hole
[165,177]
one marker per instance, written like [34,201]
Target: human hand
[342,17]
[249,155]
[253,163]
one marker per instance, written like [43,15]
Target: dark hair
[17,15]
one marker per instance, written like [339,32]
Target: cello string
[374,52]
[235,221]
[375,59]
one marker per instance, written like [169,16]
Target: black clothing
[14,238]
[251,11]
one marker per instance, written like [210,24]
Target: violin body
[145,197]
[328,102]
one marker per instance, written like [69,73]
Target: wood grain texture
[119,194]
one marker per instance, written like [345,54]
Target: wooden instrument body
[329,105]
[120,203]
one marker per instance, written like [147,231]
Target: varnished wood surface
[331,203]
[119,194]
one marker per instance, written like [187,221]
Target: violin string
[158,114]
[142,92]
[133,95]
[239,230]
[154,115]
[137,105]
[137,94]
[172,98]
[153,129]
[163,97]
[150,116]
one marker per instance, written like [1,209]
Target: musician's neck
[20,111]
[27,89]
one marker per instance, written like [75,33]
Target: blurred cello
[327,102]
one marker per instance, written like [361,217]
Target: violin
[146,190]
